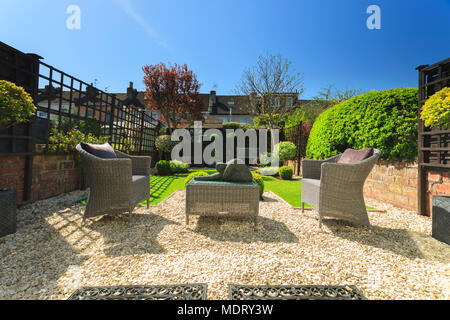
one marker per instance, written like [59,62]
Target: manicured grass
[163,186]
[289,190]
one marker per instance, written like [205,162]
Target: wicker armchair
[336,189]
[116,185]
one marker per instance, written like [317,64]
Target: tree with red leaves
[174,91]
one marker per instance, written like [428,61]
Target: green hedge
[286,173]
[237,125]
[260,181]
[193,175]
[163,167]
[386,120]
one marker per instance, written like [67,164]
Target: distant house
[215,108]
[234,108]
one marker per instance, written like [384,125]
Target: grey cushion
[355,156]
[104,151]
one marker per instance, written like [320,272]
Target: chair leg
[148,203]
[303,207]
[320,222]
[187,219]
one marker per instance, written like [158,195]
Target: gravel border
[53,253]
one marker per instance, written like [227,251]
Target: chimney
[212,101]
[130,89]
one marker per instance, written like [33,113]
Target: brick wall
[396,183]
[438,184]
[52,175]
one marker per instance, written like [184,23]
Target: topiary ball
[194,174]
[163,167]
[385,120]
[286,173]
[260,181]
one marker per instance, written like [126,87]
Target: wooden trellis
[433,143]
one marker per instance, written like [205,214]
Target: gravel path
[52,253]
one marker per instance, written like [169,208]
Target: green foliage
[165,144]
[436,110]
[237,125]
[285,150]
[89,126]
[263,120]
[163,167]
[16,105]
[265,159]
[67,141]
[194,174]
[268,171]
[326,98]
[178,166]
[162,131]
[286,173]
[386,120]
[260,181]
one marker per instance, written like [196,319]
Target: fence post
[113,114]
[141,139]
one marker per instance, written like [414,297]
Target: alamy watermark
[233,140]
[73,22]
[374,20]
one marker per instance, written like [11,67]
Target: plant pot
[441,219]
[8,221]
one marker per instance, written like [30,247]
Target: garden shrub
[260,181]
[386,120]
[237,125]
[163,167]
[16,105]
[286,173]
[263,120]
[265,159]
[285,150]
[67,141]
[194,174]
[178,166]
[164,143]
[268,171]
[436,110]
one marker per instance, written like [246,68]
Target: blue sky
[327,40]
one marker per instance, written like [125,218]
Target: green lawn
[163,186]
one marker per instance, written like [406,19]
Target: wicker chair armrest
[140,164]
[312,168]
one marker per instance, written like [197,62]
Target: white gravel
[52,253]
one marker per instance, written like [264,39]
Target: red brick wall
[396,183]
[438,184]
[52,175]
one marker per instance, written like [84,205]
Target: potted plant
[16,106]
[436,113]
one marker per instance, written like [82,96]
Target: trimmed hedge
[178,166]
[286,173]
[194,174]
[386,120]
[260,181]
[163,167]
[237,125]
